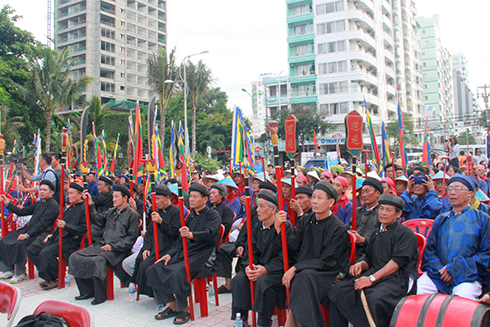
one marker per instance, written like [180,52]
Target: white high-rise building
[111,42]
[344,52]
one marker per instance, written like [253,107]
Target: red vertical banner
[353,127]
[290,128]
[315,141]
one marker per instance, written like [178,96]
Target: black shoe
[50,285]
[95,302]
[84,297]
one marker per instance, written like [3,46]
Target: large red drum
[439,310]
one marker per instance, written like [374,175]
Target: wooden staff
[365,162]
[61,264]
[393,165]
[249,239]
[229,163]
[131,182]
[354,195]
[154,209]
[272,127]
[186,251]
[444,177]
[2,205]
[366,310]
[263,166]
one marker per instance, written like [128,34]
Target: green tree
[160,69]
[199,80]
[409,137]
[50,83]
[308,120]
[10,126]
[97,114]
[462,138]
[14,44]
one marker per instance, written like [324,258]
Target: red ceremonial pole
[272,126]
[186,252]
[263,167]
[249,239]
[2,206]
[155,225]
[230,160]
[293,191]
[61,263]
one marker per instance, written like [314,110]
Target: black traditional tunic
[168,233]
[171,278]
[226,214]
[44,255]
[121,229]
[102,202]
[397,243]
[267,252]
[367,224]
[44,213]
[322,248]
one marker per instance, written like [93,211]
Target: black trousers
[225,258]
[93,286]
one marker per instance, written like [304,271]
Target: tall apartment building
[466,111]
[344,52]
[111,41]
[438,84]
[266,102]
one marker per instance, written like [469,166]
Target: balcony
[364,78]
[301,37]
[360,18]
[362,55]
[302,78]
[303,98]
[73,11]
[363,37]
[297,2]
[274,100]
[303,18]
[307,57]
[108,10]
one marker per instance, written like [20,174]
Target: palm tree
[199,80]
[97,114]
[160,69]
[50,82]
[10,125]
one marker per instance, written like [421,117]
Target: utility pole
[485,94]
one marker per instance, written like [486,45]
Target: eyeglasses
[457,189]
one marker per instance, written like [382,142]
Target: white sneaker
[6,274]
[18,279]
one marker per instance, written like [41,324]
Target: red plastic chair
[422,242]
[9,301]
[200,284]
[421,226]
[352,259]
[74,315]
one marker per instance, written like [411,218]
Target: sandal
[183,317]
[165,314]
[223,290]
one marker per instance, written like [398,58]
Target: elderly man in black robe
[121,228]
[367,223]
[322,247]
[13,247]
[383,274]
[167,218]
[44,252]
[268,266]
[102,203]
[167,276]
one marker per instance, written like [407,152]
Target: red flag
[315,141]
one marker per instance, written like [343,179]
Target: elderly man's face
[458,194]
[45,192]
[265,209]
[74,196]
[387,214]
[214,196]
[197,200]
[162,201]
[320,202]
[118,200]
[304,201]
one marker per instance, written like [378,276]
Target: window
[105,32]
[335,87]
[300,10]
[122,36]
[331,47]
[108,60]
[332,67]
[342,66]
[302,70]
[122,87]
[300,30]
[331,27]
[330,7]
[322,69]
[335,108]
[106,46]
[107,87]
[122,11]
[322,48]
[123,62]
[301,50]
[123,75]
[123,23]
[122,49]
[341,46]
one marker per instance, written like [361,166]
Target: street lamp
[183,79]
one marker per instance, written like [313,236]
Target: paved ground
[123,311]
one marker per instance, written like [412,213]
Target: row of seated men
[318,247]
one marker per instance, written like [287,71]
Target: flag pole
[365,162]
[446,161]
[272,127]
[154,209]
[393,165]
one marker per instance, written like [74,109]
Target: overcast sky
[248,38]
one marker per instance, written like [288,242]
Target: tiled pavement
[123,311]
